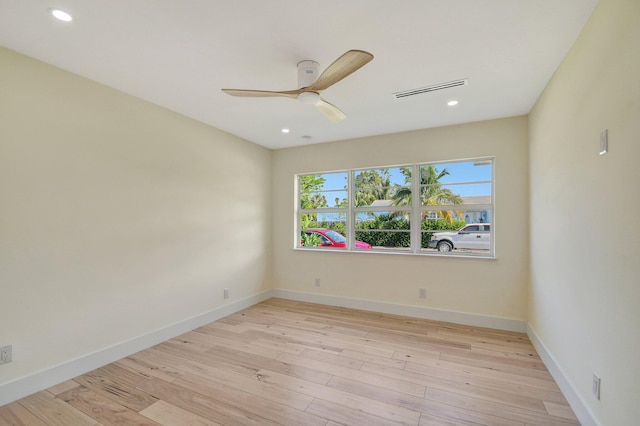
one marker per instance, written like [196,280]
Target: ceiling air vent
[441,86]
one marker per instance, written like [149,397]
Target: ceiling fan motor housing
[307,73]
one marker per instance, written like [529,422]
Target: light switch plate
[595,385]
[604,141]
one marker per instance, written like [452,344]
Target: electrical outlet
[595,385]
[5,354]
[226,293]
[423,293]
[317,282]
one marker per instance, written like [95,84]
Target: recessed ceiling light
[61,15]
[285,130]
[452,103]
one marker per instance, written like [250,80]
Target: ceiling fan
[311,85]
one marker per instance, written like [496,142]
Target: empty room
[341,213]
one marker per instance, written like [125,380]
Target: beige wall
[476,286]
[585,244]
[117,217]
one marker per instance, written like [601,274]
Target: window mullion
[351,220]
[415,220]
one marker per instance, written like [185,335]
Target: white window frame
[415,210]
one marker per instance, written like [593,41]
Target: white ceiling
[180,53]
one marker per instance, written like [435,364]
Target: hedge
[372,232]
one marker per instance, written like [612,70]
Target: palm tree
[310,198]
[371,185]
[431,191]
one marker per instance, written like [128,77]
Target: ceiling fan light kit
[310,98]
[311,83]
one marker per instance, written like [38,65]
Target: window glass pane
[334,221]
[459,171]
[378,187]
[465,182]
[324,190]
[387,230]
[450,234]
[457,193]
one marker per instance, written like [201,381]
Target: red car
[333,239]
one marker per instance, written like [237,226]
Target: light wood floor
[291,363]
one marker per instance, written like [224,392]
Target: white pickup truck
[474,236]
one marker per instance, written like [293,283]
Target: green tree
[372,185]
[310,197]
[311,240]
[431,191]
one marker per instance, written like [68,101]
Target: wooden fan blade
[342,67]
[262,93]
[331,111]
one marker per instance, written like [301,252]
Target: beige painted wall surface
[117,218]
[585,291]
[479,286]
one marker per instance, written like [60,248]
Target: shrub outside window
[443,208]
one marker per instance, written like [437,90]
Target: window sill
[456,255]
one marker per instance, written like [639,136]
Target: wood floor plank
[14,414]
[487,382]
[337,343]
[145,363]
[63,387]
[102,409]
[417,365]
[416,354]
[373,359]
[559,410]
[431,420]
[308,340]
[125,375]
[368,377]
[170,355]
[423,405]
[203,405]
[507,365]
[412,339]
[499,409]
[284,362]
[343,415]
[252,385]
[249,402]
[331,358]
[170,415]
[283,347]
[464,386]
[378,408]
[233,357]
[117,388]
[209,341]
[55,412]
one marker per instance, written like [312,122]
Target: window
[430,208]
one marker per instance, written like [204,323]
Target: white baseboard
[577,404]
[19,388]
[408,310]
